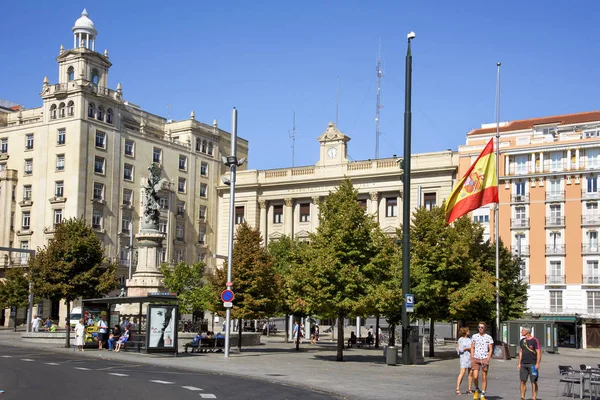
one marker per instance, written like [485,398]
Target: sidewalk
[363,374]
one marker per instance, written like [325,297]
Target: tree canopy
[188,282]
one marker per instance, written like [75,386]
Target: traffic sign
[409,301]
[227,295]
[227,304]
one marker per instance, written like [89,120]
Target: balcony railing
[590,195]
[590,248]
[520,198]
[524,250]
[555,279]
[555,196]
[590,219]
[590,279]
[524,279]
[555,221]
[552,249]
[519,223]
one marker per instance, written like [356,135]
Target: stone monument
[147,277]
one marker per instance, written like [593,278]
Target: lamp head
[411,36]
[225,179]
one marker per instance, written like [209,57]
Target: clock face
[332,152]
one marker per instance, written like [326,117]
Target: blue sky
[268,58]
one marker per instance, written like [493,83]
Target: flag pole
[497,209]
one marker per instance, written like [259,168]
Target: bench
[206,345]
[361,342]
[134,343]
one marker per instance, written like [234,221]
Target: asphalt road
[27,373]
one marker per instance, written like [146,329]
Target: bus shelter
[153,321]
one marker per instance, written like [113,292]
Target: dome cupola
[84,32]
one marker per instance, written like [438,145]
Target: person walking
[35,323]
[79,334]
[481,352]
[463,348]
[530,355]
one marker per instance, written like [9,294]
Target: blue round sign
[227,295]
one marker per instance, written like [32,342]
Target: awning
[559,318]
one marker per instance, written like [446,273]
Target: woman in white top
[463,348]
[79,334]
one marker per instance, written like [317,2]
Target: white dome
[84,23]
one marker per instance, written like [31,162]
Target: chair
[584,367]
[569,377]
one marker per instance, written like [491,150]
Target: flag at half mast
[478,187]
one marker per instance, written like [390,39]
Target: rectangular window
[278,214]
[305,212]
[100,139]
[555,187]
[163,201]
[163,255]
[202,236]
[183,163]
[593,273]
[125,223]
[555,212]
[520,188]
[181,208]
[129,147]
[26,221]
[181,185]
[127,197]
[556,160]
[2,167]
[4,145]
[204,169]
[98,191]
[239,215]
[202,213]
[28,166]
[592,184]
[593,161]
[58,214]
[27,192]
[556,301]
[179,255]
[29,142]
[162,226]
[591,208]
[24,256]
[61,138]
[156,155]
[521,165]
[128,172]
[391,207]
[556,273]
[60,162]
[179,232]
[593,302]
[97,219]
[198,144]
[203,190]
[429,200]
[99,165]
[362,203]
[59,189]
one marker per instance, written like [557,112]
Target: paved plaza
[363,374]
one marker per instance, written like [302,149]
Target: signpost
[409,301]
[227,296]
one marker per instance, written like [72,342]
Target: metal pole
[406,202]
[232,168]
[497,213]
[130,247]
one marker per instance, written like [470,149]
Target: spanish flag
[477,188]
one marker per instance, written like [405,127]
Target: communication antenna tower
[292,134]
[379,106]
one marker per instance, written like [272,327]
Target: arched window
[53,111]
[70,74]
[95,77]
[61,110]
[91,110]
[210,148]
[204,146]
[198,144]
[71,109]
[109,116]
[100,114]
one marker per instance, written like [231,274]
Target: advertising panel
[162,327]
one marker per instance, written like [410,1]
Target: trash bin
[512,350]
[391,357]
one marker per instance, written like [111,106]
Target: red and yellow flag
[477,188]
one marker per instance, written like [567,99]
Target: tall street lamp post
[406,203]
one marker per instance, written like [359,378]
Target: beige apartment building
[85,151]
[548,189]
[285,201]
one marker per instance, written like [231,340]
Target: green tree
[14,290]
[253,278]
[332,275]
[71,266]
[284,254]
[189,283]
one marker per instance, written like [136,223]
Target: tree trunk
[431,337]
[287,327]
[340,338]
[240,329]
[297,334]
[376,333]
[392,337]
[16,312]
[68,325]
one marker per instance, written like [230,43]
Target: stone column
[577,158]
[373,206]
[569,166]
[532,167]
[541,162]
[314,213]
[288,217]
[263,220]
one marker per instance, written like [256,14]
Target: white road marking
[192,388]
[7,356]
[82,368]
[52,364]
[26,359]
[163,382]
[208,396]
[117,374]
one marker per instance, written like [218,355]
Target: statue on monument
[150,200]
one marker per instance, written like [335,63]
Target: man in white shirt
[482,348]
[35,323]
[102,327]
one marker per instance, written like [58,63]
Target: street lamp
[406,202]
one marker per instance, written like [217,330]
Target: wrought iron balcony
[519,198]
[524,250]
[590,195]
[524,279]
[555,249]
[555,221]
[555,196]
[590,219]
[519,223]
[590,280]
[590,248]
[555,279]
